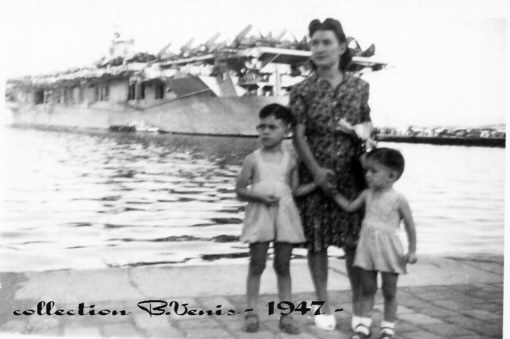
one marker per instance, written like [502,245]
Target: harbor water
[75,200]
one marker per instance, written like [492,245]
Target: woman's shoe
[252,322]
[288,325]
[326,322]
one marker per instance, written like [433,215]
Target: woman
[329,157]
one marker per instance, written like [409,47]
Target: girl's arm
[348,205]
[243,180]
[297,189]
[320,174]
[406,215]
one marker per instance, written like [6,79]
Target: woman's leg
[389,292]
[258,257]
[282,254]
[355,279]
[318,265]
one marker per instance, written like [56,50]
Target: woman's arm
[243,180]
[364,129]
[350,206]
[321,175]
[303,150]
[297,188]
[365,108]
[406,215]
[298,104]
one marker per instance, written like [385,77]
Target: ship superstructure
[213,88]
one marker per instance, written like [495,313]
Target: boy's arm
[305,189]
[243,180]
[348,205]
[405,213]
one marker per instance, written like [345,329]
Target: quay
[131,130]
[441,297]
[457,141]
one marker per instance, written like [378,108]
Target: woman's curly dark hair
[336,27]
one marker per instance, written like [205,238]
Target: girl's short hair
[336,27]
[388,157]
[278,111]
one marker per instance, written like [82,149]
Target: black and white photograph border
[118,208]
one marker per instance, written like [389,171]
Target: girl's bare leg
[282,254]
[258,257]
[389,292]
[369,289]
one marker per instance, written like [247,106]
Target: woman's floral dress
[319,107]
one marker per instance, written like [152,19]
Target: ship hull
[198,114]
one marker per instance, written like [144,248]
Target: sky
[448,59]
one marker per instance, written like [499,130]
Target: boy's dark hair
[278,111]
[388,157]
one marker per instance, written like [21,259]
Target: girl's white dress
[379,247]
[280,223]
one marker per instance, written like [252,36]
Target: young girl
[379,248]
[271,214]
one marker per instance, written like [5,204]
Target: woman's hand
[323,176]
[323,179]
[346,127]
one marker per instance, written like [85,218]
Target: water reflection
[86,200]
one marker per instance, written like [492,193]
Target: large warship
[214,88]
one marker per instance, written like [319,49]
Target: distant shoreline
[460,141]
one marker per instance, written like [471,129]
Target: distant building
[428,132]
[438,132]
[486,133]
[460,132]
[473,133]
[442,132]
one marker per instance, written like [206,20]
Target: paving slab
[219,280]
[440,298]
[75,286]
[77,332]
[449,330]
[121,330]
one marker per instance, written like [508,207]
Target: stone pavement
[441,297]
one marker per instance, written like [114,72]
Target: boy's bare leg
[282,254]
[258,257]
